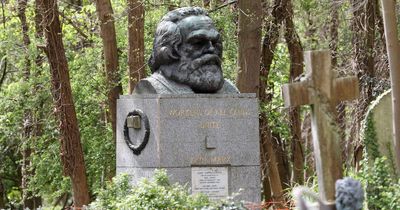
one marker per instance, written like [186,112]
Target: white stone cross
[322,91]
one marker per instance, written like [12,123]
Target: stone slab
[194,130]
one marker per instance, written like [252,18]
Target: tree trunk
[370,44]
[309,163]
[334,26]
[281,159]
[71,149]
[333,46]
[363,28]
[137,69]
[38,19]
[107,33]
[296,69]
[380,28]
[29,201]
[249,35]
[2,195]
[393,49]
[268,155]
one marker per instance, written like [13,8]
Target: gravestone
[186,118]
[377,129]
[209,141]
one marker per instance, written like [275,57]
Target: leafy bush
[382,189]
[157,193]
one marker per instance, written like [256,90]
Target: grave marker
[377,131]
[208,141]
[322,91]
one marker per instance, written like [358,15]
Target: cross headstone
[322,91]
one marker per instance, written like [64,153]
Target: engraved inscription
[199,112]
[218,160]
[212,181]
[210,125]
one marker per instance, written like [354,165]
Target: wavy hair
[168,36]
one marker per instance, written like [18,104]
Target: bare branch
[223,5]
[74,25]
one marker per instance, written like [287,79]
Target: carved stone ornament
[137,149]
[186,56]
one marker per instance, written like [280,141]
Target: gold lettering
[218,160]
[173,112]
[210,125]
[197,112]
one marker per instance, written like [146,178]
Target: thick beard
[202,75]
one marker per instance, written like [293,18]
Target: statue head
[188,50]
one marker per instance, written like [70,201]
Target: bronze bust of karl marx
[186,57]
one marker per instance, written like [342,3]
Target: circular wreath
[137,149]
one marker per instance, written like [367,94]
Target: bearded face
[200,54]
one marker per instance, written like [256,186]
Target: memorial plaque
[212,181]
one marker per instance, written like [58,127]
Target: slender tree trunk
[333,46]
[310,171]
[282,161]
[2,195]
[393,49]
[296,69]
[137,69]
[249,35]
[370,44]
[71,149]
[268,155]
[364,36]
[334,26]
[38,19]
[29,201]
[107,32]
[39,34]
[363,28]
[380,27]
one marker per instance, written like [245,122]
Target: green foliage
[225,23]
[381,188]
[277,116]
[157,193]
[370,139]
[20,95]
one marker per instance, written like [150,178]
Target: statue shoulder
[158,84]
[145,86]
[228,87]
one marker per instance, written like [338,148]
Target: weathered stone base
[194,131]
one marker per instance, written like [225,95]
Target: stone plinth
[202,138]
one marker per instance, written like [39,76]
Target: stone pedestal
[209,141]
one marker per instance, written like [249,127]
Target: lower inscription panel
[212,181]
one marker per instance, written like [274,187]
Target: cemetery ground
[318,80]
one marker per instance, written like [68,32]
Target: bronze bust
[186,57]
